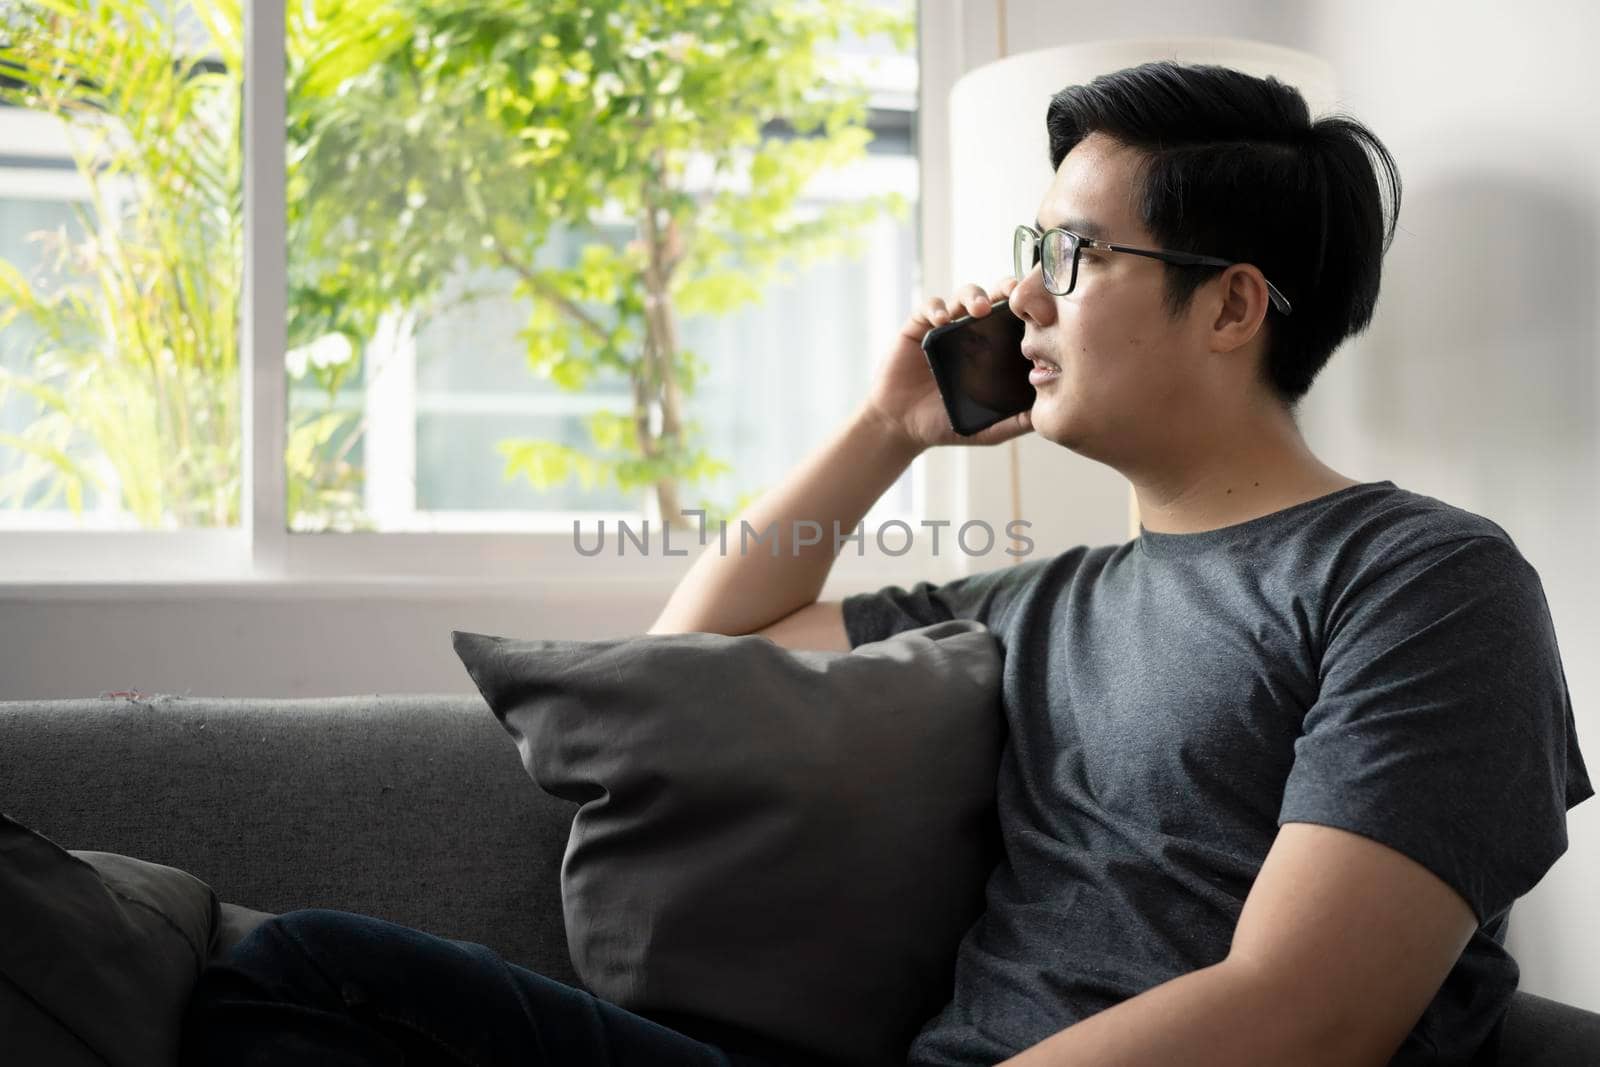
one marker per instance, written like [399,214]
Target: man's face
[1129,376]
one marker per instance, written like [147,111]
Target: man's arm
[818,626]
[1339,948]
[736,593]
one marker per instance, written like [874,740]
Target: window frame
[262,549]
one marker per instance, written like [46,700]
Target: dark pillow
[775,843]
[98,953]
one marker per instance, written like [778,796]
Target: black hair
[1233,166]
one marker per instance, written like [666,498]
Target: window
[39,192]
[396,419]
[426,350]
[119,277]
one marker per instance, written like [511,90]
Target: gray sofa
[412,808]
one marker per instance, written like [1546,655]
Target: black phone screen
[979,367]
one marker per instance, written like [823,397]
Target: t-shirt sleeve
[1443,727]
[985,596]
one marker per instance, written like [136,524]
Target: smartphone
[979,368]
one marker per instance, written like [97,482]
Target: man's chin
[1046,410]
[1052,421]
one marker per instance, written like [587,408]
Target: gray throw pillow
[787,844]
[98,953]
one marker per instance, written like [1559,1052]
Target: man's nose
[1029,300]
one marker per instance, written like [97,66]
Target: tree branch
[544,289]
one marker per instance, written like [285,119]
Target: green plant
[137,359]
[425,137]
[500,121]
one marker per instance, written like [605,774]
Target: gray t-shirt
[1374,660]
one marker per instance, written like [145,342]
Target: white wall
[1476,382]
[294,640]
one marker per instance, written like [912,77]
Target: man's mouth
[1043,369]
[1038,360]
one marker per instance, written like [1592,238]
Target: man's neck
[1253,471]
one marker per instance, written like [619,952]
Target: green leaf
[612,431]
[547,464]
[571,374]
[74,471]
[544,463]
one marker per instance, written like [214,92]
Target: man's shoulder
[1410,551]
[1397,525]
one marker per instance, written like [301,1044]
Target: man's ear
[1243,302]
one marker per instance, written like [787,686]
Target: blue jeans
[338,989]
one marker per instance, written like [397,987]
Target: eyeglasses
[1061,244]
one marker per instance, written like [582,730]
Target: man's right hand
[904,395]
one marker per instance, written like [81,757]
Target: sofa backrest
[413,808]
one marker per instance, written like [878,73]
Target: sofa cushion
[775,850]
[98,953]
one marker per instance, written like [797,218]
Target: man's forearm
[740,592]
[1219,1016]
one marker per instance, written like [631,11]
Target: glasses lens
[1058,251]
[1024,252]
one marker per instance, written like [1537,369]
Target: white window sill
[217,564]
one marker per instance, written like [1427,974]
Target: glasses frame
[1080,242]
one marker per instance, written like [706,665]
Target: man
[1277,767]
